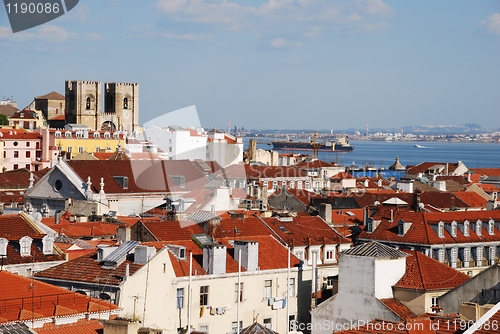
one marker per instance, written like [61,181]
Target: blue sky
[295,64]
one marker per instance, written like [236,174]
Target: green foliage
[4,120]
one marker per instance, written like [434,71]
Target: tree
[4,120]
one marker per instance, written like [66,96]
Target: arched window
[454,229]
[466,228]
[441,229]
[125,103]
[87,104]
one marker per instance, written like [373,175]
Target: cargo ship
[340,145]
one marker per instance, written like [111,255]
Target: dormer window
[25,246]
[454,229]
[366,183]
[3,246]
[379,183]
[48,245]
[401,228]
[479,227]
[116,135]
[369,225]
[467,255]
[466,228]
[441,229]
[179,180]
[97,135]
[57,134]
[491,227]
[441,255]
[67,134]
[106,135]
[122,181]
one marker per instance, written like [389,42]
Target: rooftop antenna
[229,126]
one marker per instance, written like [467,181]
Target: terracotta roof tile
[425,274]
[80,327]
[51,96]
[398,308]
[17,293]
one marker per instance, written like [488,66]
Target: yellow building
[78,140]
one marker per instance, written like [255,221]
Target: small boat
[419,146]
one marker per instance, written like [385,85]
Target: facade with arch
[116,108]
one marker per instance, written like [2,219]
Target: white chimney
[249,254]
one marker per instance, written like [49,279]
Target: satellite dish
[377,203]
[421,205]
[37,216]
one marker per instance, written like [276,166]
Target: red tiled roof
[19,179]
[272,255]
[173,230]
[17,293]
[424,274]
[425,166]
[305,230]
[51,96]
[421,232]
[8,109]
[19,134]
[316,164]
[24,114]
[87,269]
[472,199]
[14,227]
[82,326]
[61,117]
[341,176]
[424,324]
[486,171]
[398,308]
[274,172]
[83,230]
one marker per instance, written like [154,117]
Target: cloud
[46,33]
[272,18]
[93,37]
[187,37]
[492,24]
[283,43]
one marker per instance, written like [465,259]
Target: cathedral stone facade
[84,105]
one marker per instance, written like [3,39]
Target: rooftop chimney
[249,254]
[214,259]
[325,211]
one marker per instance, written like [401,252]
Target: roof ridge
[417,259]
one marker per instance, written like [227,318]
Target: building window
[491,227]
[268,289]
[80,149]
[204,328]
[16,154]
[435,304]
[27,144]
[466,228]
[240,292]
[454,229]
[70,149]
[235,328]
[25,246]
[265,184]
[307,184]
[122,181]
[125,103]
[16,166]
[300,255]
[4,154]
[299,184]
[292,184]
[291,287]
[87,103]
[180,297]
[479,227]
[275,185]
[28,154]
[441,229]
[97,149]
[441,255]
[27,166]
[204,295]
[179,180]
[268,323]
[283,184]
[453,257]
[330,254]
[493,255]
